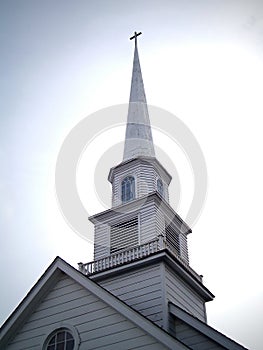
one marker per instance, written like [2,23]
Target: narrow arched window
[160,187]
[128,189]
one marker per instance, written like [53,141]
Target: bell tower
[140,243]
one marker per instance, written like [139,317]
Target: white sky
[202,61]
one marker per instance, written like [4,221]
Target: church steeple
[140,243]
[138,139]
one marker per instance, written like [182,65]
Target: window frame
[124,199]
[64,327]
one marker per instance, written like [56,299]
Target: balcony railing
[133,254]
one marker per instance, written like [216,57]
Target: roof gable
[65,295]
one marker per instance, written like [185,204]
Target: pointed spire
[138,139]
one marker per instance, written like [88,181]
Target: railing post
[161,242]
[81,267]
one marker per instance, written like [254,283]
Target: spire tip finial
[135,37]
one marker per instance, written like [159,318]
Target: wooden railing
[130,255]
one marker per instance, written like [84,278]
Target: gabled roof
[50,277]
[204,328]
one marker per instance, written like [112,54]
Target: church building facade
[140,291]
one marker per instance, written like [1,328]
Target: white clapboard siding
[99,326]
[146,183]
[194,339]
[140,289]
[145,176]
[181,294]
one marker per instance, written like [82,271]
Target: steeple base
[150,283]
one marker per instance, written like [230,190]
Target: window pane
[60,346]
[51,347]
[52,340]
[60,337]
[70,345]
[128,189]
[61,340]
[68,336]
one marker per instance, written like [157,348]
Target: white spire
[138,139]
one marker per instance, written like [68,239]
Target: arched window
[160,187]
[128,189]
[61,339]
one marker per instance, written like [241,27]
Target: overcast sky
[203,62]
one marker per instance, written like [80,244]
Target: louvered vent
[124,235]
[172,238]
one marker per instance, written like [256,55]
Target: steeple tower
[140,244]
[138,139]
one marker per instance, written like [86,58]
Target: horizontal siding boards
[68,314]
[99,326]
[31,343]
[61,292]
[95,315]
[194,339]
[109,330]
[100,322]
[90,303]
[140,289]
[64,282]
[77,296]
[179,293]
[138,346]
[146,183]
[124,340]
[141,299]
[151,274]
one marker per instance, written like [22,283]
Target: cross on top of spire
[135,37]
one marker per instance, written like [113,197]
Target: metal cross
[135,37]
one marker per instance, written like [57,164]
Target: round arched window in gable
[160,187]
[128,189]
[60,339]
